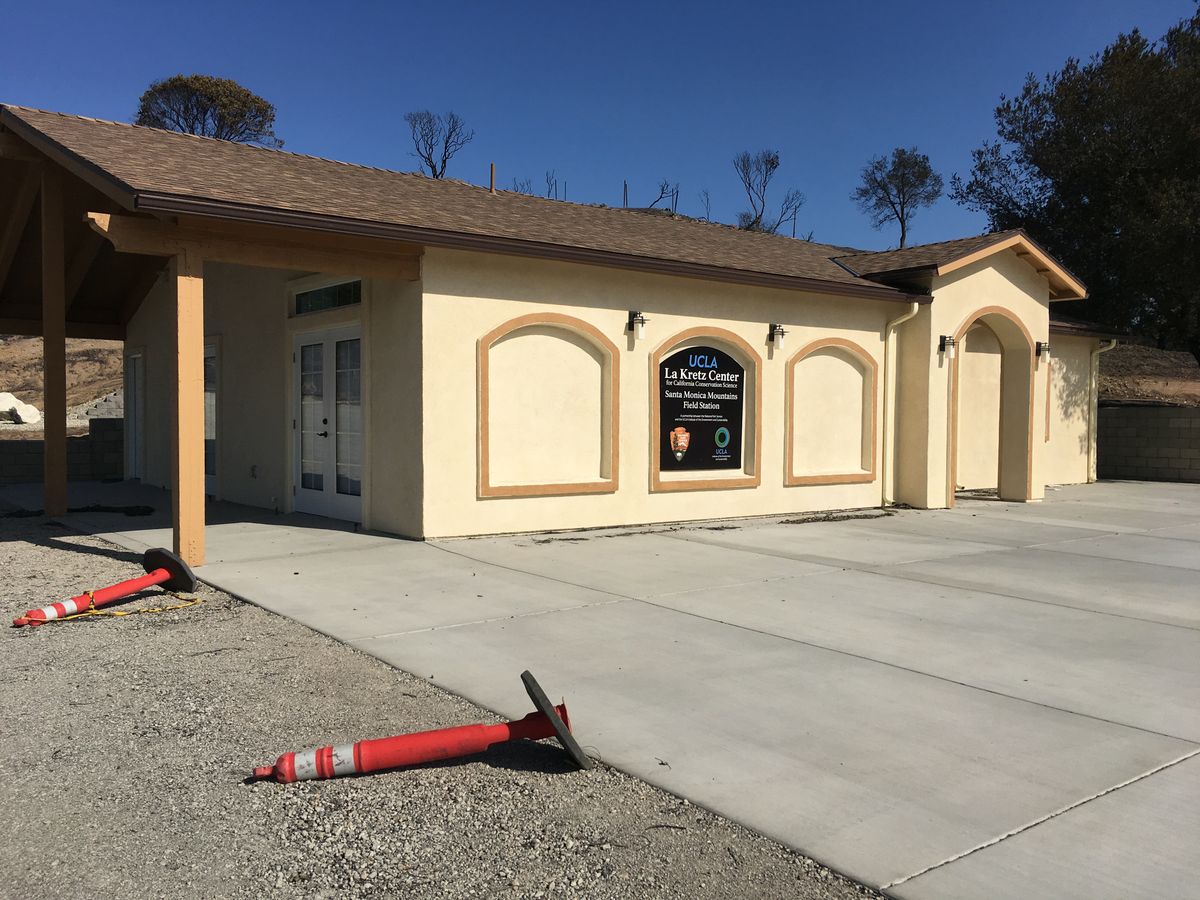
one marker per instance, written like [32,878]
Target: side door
[327,423]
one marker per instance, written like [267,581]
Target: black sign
[701,391]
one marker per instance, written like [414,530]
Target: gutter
[172,204]
[889,403]
[1093,406]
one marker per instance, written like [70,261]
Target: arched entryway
[996,355]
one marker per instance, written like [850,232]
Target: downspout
[1093,404]
[889,402]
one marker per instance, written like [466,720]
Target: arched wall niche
[549,408]
[832,406]
[750,474]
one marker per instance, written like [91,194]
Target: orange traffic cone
[429,746]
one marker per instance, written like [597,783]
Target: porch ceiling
[103,288]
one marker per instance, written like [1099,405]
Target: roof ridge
[201,175]
[672,217]
[675,217]
[987,234]
[204,137]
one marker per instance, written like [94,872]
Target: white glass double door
[327,423]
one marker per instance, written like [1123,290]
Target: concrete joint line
[275,557]
[891,665]
[834,562]
[528,615]
[1046,548]
[886,572]
[1046,818]
[829,571]
[527,574]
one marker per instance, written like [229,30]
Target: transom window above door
[347,293]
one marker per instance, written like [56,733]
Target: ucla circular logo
[722,437]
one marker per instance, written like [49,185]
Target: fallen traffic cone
[429,746]
[162,567]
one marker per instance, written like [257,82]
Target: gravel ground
[125,742]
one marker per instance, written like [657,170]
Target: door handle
[322,434]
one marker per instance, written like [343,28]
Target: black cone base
[538,696]
[182,578]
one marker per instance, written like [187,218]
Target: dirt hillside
[1131,372]
[93,369]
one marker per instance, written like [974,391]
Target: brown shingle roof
[1069,325]
[946,256]
[153,169]
[923,256]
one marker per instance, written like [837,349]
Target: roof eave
[103,181]
[155,202]
[1068,286]
[1068,330]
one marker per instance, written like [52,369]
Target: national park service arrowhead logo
[679,442]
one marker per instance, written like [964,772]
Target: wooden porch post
[187,476]
[54,347]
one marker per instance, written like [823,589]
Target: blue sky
[598,92]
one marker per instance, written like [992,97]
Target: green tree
[1101,163]
[210,107]
[893,190]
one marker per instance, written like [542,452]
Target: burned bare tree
[706,202]
[551,184]
[755,170]
[668,192]
[436,140]
[523,186]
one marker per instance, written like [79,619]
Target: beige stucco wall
[468,294]
[979,410]
[923,435]
[246,315]
[1065,450]
[393,473]
[422,402]
[244,311]
[561,375]
[831,391]
[148,333]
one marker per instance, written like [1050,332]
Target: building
[433,359]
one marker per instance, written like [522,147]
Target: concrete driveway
[1000,700]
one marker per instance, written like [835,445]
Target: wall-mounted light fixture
[775,333]
[1042,349]
[636,324]
[947,345]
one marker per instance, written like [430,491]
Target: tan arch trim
[952,413]
[1063,285]
[752,467]
[613,371]
[790,478]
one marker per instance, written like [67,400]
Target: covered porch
[79,257]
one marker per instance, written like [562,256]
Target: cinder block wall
[97,456]
[1151,443]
